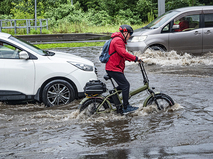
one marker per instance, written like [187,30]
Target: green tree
[6,6]
[206,2]
[93,12]
[28,6]
[146,6]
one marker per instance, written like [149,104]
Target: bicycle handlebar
[140,60]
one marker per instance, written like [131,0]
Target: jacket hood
[118,34]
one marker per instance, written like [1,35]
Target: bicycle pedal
[119,110]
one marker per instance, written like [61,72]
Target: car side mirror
[23,55]
[176,26]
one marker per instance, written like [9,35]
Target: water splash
[101,117]
[173,59]
[113,116]
[152,109]
[60,117]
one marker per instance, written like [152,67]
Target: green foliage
[5,6]
[150,16]
[206,2]
[144,7]
[44,31]
[127,17]
[98,18]
[28,6]
[23,7]
[64,13]
[94,4]
[85,15]
[6,16]
[18,14]
[173,4]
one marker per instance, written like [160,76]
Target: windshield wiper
[146,27]
[153,27]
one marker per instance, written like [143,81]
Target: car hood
[142,31]
[69,57]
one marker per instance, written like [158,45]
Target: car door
[188,40]
[16,75]
[208,31]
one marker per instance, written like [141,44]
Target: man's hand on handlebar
[140,60]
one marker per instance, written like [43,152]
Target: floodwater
[183,131]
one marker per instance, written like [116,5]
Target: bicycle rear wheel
[92,106]
[162,100]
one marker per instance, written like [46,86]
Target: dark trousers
[123,84]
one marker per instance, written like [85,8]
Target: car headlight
[138,38]
[82,66]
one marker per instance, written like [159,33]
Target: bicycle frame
[145,81]
[132,93]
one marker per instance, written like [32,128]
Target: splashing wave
[173,59]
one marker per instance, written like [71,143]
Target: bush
[6,16]
[127,17]
[98,18]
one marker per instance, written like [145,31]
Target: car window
[166,29]
[187,23]
[8,51]
[158,21]
[208,20]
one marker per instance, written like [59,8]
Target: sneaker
[129,109]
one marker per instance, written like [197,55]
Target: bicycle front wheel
[161,100]
[94,105]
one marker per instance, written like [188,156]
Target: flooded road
[184,131]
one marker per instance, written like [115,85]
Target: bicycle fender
[150,96]
[86,98]
[83,100]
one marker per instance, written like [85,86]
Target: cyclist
[116,64]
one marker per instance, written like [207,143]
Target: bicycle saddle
[107,77]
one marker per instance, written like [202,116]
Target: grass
[59,45]
[83,28]
[71,28]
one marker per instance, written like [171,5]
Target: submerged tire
[157,48]
[58,92]
[91,106]
[162,100]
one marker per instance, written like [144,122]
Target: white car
[29,73]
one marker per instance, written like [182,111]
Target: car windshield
[30,46]
[160,20]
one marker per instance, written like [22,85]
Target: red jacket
[183,25]
[117,60]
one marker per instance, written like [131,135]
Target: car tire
[57,92]
[157,48]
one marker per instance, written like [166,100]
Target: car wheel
[156,48]
[58,92]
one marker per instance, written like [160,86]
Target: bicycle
[95,102]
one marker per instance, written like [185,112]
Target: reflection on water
[182,131]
